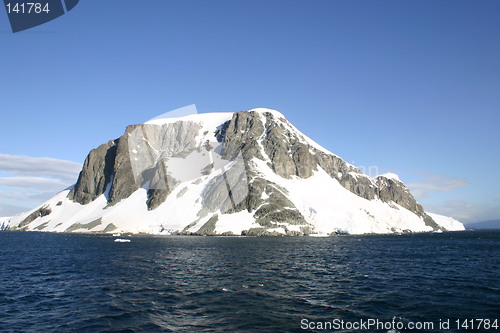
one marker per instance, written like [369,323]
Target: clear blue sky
[411,87]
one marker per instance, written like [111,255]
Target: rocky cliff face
[240,166]
[98,170]
[390,190]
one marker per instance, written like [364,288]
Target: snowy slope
[447,222]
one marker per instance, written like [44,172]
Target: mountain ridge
[489,224]
[248,172]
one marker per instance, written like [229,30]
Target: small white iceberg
[122,240]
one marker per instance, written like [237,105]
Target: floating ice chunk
[122,240]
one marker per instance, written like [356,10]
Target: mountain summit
[243,173]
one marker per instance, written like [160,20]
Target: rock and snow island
[243,173]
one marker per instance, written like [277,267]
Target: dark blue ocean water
[89,283]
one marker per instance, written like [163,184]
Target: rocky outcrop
[156,197]
[276,208]
[86,226]
[107,165]
[286,154]
[347,175]
[208,229]
[40,212]
[124,182]
[241,134]
[96,174]
[391,190]
[111,164]
[259,232]
[109,228]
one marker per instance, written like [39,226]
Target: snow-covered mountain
[243,173]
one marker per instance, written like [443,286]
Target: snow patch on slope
[235,223]
[447,222]
[390,175]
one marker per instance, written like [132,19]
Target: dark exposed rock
[338,232]
[431,223]
[220,133]
[110,227]
[109,162]
[278,148]
[182,192]
[241,135]
[86,226]
[208,146]
[351,178]
[156,197]
[275,215]
[96,173]
[277,208]
[359,184]
[42,226]
[208,228]
[332,164]
[207,170]
[256,187]
[259,232]
[186,228]
[124,183]
[392,190]
[304,161]
[40,212]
